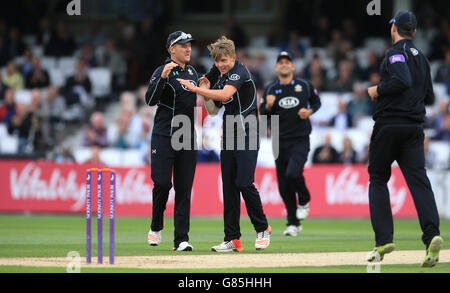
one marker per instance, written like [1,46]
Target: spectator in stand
[96,134]
[342,120]
[45,32]
[120,139]
[13,78]
[3,87]
[326,153]
[148,50]
[359,105]
[443,133]
[20,125]
[441,42]
[350,32]
[78,86]
[86,53]
[128,47]
[108,56]
[293,45]
[14,44]
[64,155]
[373,65]
[4,58]
[348,154]
[7,109]
[37,77]
[52,109]
[345,80]
[245,59]
[443,72]
[80,77]
[61,42]
[236,33]
[315,72]
[27,65]
[443,111]
[322,35]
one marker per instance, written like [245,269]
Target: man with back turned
[400,98]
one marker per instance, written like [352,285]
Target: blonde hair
[222,46]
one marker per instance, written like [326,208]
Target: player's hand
[187,84]
[373,93]
[204,83]
[304,113]
[270,100]
[167,69]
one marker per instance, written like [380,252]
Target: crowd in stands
[43,114]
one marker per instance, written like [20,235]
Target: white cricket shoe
[263,239]
[302,211]
[293,230]
[228,246]
[154,238]
[184,246]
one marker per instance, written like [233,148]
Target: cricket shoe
[184,246]
[377,254]
[432,257]
[293,230]
[263,239]
[302,211]
[229,246]
[154,238]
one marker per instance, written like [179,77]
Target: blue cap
[178,37]
[405,20]
[286,55]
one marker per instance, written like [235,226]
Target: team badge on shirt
[298,88]
[414,51]
[234,77]
[190,72]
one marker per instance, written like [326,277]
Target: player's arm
[268,99]
[223,95]
[400,76]
[213,75]
[314,100]
[313,103]
[155,87]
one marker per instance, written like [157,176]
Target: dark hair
[406,32]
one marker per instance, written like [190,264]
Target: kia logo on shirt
[288,102]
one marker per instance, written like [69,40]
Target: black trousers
[293,154]
[238,171]
[164,161]
[404,144]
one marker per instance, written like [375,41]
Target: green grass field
[56,235]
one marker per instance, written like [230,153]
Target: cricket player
[234,89]
[294,100]
[172,99]
[400,98]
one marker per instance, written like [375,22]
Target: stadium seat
[101,81]
[57,77]
[23,96]
[8,143]
[442,152]
[440,91]
[132,157]
[48,63]
[67,65]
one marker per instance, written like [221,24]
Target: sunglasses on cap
[183,36]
